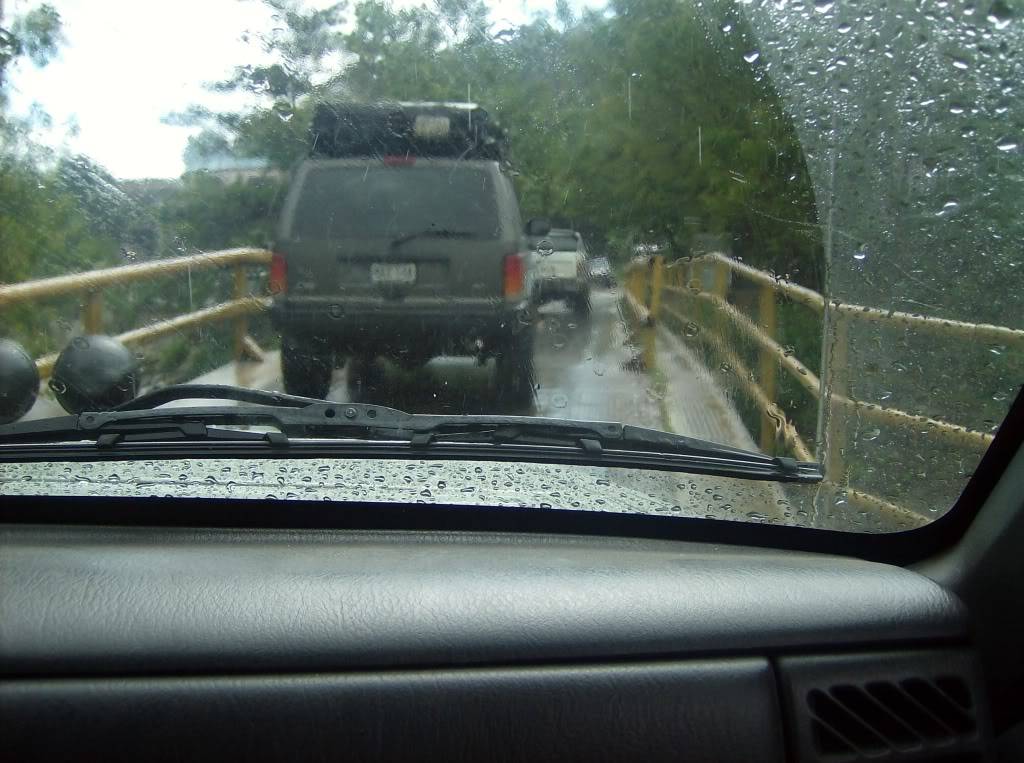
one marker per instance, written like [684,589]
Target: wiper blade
[298,420]
[431,233]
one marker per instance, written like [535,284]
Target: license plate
[388,273]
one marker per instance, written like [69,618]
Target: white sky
[127,63]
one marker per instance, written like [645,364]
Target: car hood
[485,483]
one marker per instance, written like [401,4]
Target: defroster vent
[885,707]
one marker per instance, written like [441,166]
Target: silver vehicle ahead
[600,271]
[402,257]
[561,258]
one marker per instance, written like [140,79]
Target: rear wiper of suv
[432,233]
[306,426]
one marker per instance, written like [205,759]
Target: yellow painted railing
[655,289]
[92,285]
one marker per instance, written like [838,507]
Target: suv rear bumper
[429,327]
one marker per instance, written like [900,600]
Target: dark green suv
[401,257]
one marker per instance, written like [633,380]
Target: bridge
[691,347]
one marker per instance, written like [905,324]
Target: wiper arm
[431,233]
[377,428]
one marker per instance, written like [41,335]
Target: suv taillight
[515,275]
[278,281]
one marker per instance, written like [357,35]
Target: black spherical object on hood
[95,373]
[19,381]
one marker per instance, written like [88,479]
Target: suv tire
[365,378]
[581,304]
[306,367]
[514,371]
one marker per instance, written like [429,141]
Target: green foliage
[206,213]
[35,35]
[642,124]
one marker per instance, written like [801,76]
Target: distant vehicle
[600,271]
[406,255]
[561,259]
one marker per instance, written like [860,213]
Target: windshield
[810,213]
[372,200]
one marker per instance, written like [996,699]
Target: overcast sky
[127,63]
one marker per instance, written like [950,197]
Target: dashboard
[121,643]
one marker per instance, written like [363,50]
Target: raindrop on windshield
[1000,15]
[751,56]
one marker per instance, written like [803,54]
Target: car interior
[203,630]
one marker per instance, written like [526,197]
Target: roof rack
[422,129]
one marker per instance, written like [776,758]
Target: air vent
[884,716]
[885,707]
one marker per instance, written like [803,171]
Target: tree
[35,35]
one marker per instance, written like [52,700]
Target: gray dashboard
[245,644]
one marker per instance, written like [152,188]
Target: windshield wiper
[431,233]
[355,429]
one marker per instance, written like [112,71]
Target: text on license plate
[404,272]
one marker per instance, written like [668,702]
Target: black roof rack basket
[450,130]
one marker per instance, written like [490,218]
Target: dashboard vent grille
[882,717]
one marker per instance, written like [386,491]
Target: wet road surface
[587,367]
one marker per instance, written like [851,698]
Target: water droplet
[725,368]
[872,434]
[1007,144]
[335,311]
[559,401]
[544,247]
[861,254]
[949,208]
[959,63]
[751,56]
[691,329]
[599,369]
[558,342]
[823,6]
[1000,15]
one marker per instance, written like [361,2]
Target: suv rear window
[378,201]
